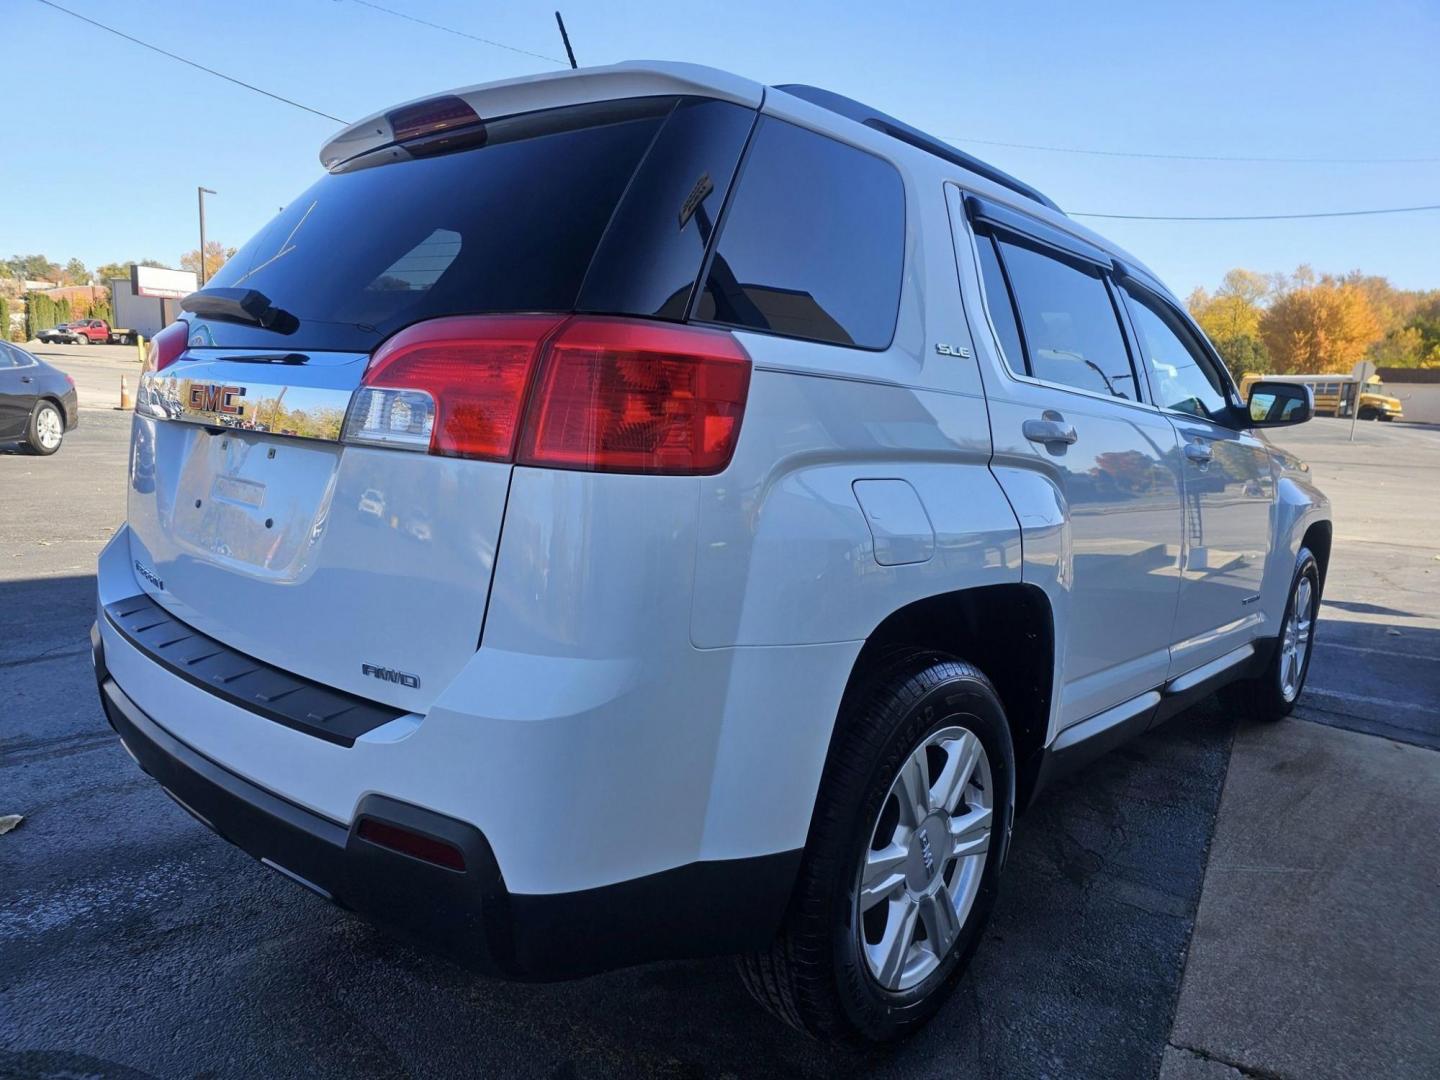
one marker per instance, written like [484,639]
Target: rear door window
[813,243]
[1072,330]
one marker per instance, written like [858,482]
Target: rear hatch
[332,549]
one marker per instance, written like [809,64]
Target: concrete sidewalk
[1316,949]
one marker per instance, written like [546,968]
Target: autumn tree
[215,255]
[1318,325]
[1231,320]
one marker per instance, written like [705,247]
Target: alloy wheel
[922,869]
[47,428]
[1295,639]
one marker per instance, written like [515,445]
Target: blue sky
[104,142]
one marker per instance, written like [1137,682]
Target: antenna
[566,38]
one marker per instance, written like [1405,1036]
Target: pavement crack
[1243,1070]
[49,654]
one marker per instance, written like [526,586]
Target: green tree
[4,319]
[75,273]
[1243,354]
[40,314]
[36,267]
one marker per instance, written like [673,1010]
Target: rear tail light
[589,393]
[167,345]
[621,396]
[453,387]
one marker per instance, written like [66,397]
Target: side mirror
[1274,404]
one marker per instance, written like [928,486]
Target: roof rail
[898,129]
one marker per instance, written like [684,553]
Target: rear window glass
[813,244]
[510,226]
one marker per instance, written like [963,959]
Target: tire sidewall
[1305,566]
[970,702]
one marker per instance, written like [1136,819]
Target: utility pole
[200,194]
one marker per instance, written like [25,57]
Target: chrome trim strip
[1196,676]
[306,401]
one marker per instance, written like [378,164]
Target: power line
[1261,217]
[458,33]
[191,63]
[1199,157]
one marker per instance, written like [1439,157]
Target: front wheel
[1273,694]
[900,871]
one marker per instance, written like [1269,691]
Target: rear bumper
[705,908]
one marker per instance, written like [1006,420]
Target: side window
[1072,331]
[8,358]
[813,244]
[1181,375]
[999,304]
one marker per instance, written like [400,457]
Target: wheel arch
[59,407]
[1317,539]
[1007,631]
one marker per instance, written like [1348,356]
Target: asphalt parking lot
[1146,924]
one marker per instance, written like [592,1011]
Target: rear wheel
[46,430]
[901,867]
[1274,693]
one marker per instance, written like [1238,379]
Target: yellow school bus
[1334,394]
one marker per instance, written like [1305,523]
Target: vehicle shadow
[1360,608]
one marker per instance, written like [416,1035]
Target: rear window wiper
[248,306]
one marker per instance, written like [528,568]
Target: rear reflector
[589,393]
[416,845]
[167,345]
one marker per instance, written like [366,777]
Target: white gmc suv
[637,513]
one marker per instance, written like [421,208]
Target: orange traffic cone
[125,402]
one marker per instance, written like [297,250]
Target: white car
[801,495]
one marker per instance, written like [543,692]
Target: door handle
[26,378]
[1049,429]
[1199,452]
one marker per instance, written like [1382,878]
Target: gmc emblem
[208,397]
[404,678]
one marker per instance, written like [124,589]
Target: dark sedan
[37,401]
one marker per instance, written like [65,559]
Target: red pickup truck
[86,332]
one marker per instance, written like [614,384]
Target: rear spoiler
[633,79]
